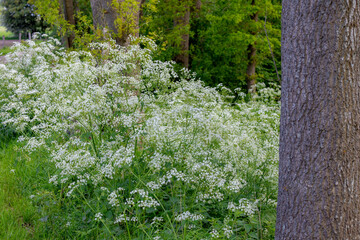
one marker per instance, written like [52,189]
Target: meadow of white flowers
[140,151]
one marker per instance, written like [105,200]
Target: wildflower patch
[139,155]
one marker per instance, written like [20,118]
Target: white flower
[249,208]
[214,233]
[112,198]
[98,216]
[227,231]
[187,215]
[156,220]
[53,179]
[120,219]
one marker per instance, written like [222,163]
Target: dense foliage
[221,47]
[132,154]
[220,34]
[19,16]
[53,14]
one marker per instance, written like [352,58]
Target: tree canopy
[19,15]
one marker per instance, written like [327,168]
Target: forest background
[235,43]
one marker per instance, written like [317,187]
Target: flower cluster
[187,215]
[244,206]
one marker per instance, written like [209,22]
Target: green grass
[16,212]
[4,32]
[20,177]
[5,50]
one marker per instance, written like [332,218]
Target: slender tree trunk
[319,190]
[251,68]
[198,5]
[184,22]
[69,16]
[67,9]
[64,40]
[138,15]
[104,16]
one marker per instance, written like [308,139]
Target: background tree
[319,194]
[71,19]
[168,22]
[19,15]
[67,10]
[120,17]
[223,44]
[182,21]
[222,36]
[222,41]
[251,66]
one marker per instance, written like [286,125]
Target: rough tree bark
[319,190]
[104,16]
[251,68]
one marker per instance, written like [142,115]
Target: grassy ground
[19,176]
[16,212]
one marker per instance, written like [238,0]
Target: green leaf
[247,227]
[254,235]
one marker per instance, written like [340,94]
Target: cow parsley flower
[98,216]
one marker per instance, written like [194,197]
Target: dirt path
[7,43]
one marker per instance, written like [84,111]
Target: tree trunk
[198,4]
[104,16]
[67,9]
[195,10]
[184,22]
[69,16]
[251,68]
[319,190]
